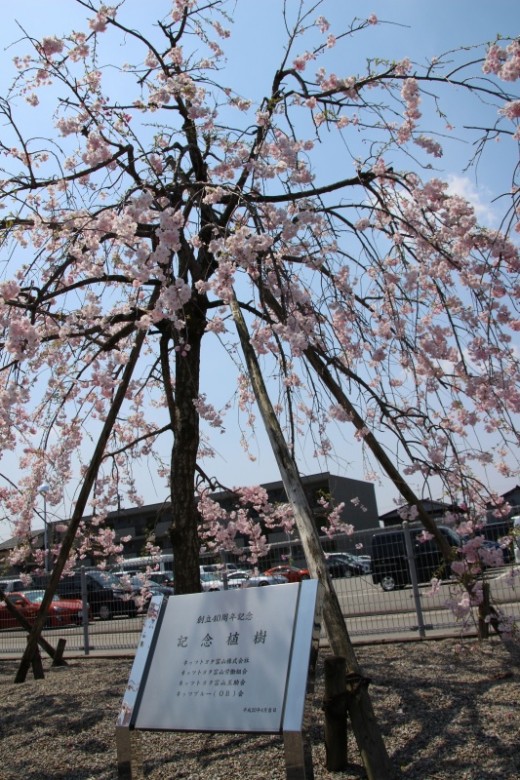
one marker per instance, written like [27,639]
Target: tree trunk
[368,735]
[185,517]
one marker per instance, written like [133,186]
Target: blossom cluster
[375,300]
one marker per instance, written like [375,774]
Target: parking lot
[371,615]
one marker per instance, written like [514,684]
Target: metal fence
[391,601]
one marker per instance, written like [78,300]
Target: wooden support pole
[58,656]
[335,708]
[364,724]
[36,664]
[49,649]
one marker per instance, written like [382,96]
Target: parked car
[489,554]
[28,610]
[105,594]
[496,528]
[345,565]
[365,561]
[12,584]
[143,589]
[237,579]
[338,568]
[210,581]
[217,568]
[62,612]
[261,580]
[291,573]
[162,578]
[390,567]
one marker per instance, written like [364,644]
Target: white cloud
[479,197]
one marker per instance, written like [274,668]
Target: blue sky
[413,28]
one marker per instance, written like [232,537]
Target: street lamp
[43,489]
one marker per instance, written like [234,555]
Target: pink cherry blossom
[50,46]
[376,300]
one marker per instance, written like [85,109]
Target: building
[512,497]
[496,526]
[436,510]
[151,522]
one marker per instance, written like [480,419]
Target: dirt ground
[447,711]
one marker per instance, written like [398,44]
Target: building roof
[431,506]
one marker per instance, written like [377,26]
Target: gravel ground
[447,710]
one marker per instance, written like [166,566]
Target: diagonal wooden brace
[58,660]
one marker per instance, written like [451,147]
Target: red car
[62,612]
[291,573]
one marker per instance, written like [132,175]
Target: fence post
[85,611]
[413,577]
[484,612]
[223,561]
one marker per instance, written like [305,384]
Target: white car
[209,581]
[218,568]
[236,579]
[260,580]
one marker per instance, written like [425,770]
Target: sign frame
[304,627]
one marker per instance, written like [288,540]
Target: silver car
[236,579]
[260,580]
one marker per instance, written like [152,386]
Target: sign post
[228,661]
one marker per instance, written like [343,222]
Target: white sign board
[234,660]
[221,662]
